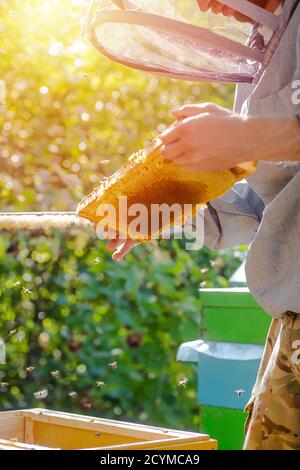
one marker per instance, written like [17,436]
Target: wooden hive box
[39,429]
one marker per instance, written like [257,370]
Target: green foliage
[73,309]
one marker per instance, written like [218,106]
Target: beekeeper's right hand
[190,110]
[120,247]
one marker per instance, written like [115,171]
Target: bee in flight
[41,394]
[26,291]
[55,374]
[239,392]
[183,382]
[100,384]
[113,365]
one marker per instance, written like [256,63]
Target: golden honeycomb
[148,178]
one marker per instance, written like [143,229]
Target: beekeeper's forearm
[278,139]
[232,219]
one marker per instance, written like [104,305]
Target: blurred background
[71,117]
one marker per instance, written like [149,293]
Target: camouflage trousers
[274,408]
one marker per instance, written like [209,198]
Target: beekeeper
[263,211]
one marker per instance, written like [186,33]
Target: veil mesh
[174,38]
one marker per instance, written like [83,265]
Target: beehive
[150,179]
[38,429]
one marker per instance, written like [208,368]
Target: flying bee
[73,394]
[204,270]
[12,332]
[113,365]
[97,260]
[3,385]
[88,406]
[28,370]
[14,439]
[26,291]
[203,284]
[239,392]
[104,162]
[41,394]
[17,283]
[55,374]
[100,384]
[20,336]
[98,434]
[183,382]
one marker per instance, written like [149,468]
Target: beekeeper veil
[175,38]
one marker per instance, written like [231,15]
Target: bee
[239,392]
[17,283]
[183,382]
[97,260]
[98,434]
[100,384]
[202,331]
[55,374]
[73,394]
[28,370]
[14,439]
[3,385]
[104,162]
[12,332]
[203,284]
[20,337]
[41,394]
[88,406]
[26,291]
[113,365]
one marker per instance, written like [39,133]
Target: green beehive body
[233,316]
[227,423]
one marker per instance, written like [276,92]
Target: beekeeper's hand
[216,139]
[190,110]
[120,247]
[215,7]
[206,138]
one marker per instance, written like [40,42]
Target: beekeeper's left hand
[208,138]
